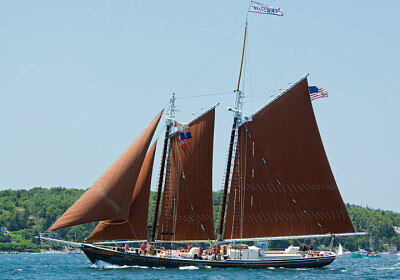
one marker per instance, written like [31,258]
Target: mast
[241,62]
[237,110]
[162,168]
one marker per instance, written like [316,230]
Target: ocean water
[45,266]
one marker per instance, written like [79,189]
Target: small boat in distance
[361,253]
[373,255]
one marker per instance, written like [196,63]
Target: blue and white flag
[185,135]
[260,8]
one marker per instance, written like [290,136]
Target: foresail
[282,182]
[186,212]
[110,197]
[136,226]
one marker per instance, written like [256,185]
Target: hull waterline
[96,254]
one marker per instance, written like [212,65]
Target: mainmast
[237,109]
[170,117]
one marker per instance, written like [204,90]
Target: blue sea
[45,266]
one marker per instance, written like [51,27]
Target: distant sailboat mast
[340,250]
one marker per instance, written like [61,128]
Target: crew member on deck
[189,247]
[303,250]
[213,252]
[200,252]
[143,248]
[126,247]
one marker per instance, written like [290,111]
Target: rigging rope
[211,59]
[202,95]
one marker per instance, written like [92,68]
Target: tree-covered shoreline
[26,213]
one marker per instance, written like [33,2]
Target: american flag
[317,92]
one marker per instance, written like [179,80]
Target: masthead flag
[260,8]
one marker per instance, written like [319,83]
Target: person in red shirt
[213,252]
[126,247]
[189,247]
[143,248]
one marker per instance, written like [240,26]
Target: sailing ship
[278,185]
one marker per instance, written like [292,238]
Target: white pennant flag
[259,8]
[183,127]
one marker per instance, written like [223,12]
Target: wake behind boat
[278,185]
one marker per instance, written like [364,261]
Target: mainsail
[110,197]
[186,212]
[136,226]
[282,183]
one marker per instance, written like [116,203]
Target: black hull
[96,254]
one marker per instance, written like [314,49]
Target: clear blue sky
[79,80]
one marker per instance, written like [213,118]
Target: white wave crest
[106,265]
[191,267]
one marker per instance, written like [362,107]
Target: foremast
[237,109]
[170,118]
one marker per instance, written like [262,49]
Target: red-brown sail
[136,226]
[186,212]
[110,197]
[282,183]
